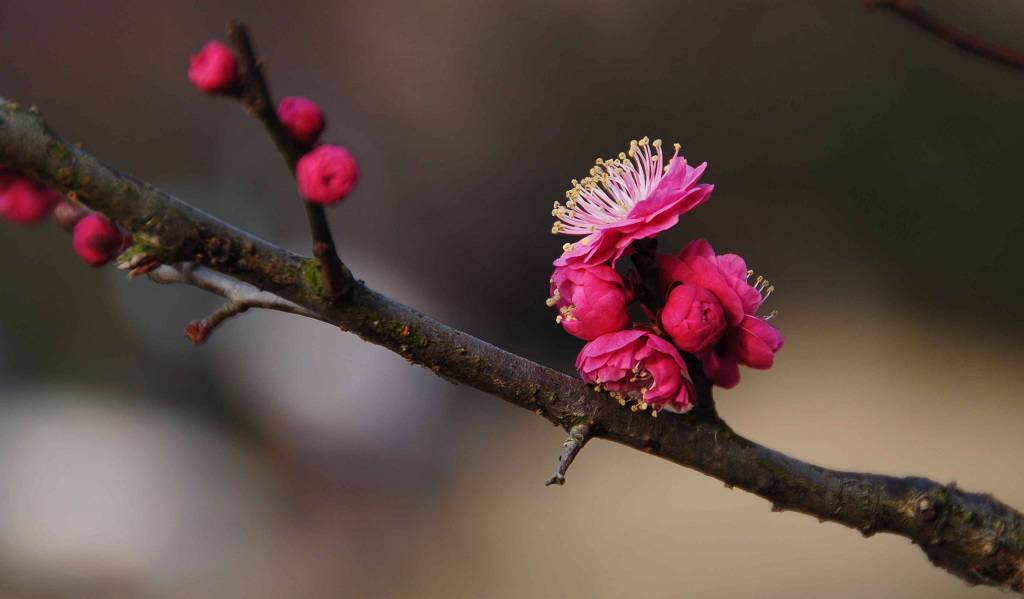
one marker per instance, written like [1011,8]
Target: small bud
[22,200]
[302,117]
[327,174]
[693,317]
[67,214]
[96,240]
[214,69]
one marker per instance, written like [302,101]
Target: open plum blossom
[634,196]
[591,301]
[22,200]
[636,364]
[748,339]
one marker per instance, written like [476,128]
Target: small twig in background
[952,34]
[241,296]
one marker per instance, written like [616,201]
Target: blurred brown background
[869,170]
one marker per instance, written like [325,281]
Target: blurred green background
[869,170]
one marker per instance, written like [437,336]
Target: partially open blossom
[693,317]
[214,69]
[725,276]
[634,196]
[591,301]
[638,365]
[748,339]
[327,174]
[302,117]
[752,343]
[22,200]
[97,240]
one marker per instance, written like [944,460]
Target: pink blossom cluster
[325,173]
[701,305]
[96,239]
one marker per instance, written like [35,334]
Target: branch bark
[972,535]
[954,35]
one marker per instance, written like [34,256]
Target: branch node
[578,437]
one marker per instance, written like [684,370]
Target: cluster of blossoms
[701,304]
[96,239]
[326,173]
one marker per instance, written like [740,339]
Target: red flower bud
[591,301]
[22,200]
[327,174]
[693,317]
[303,119]
[96,240]
[214,69]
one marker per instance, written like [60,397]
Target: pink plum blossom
[97,240]
[591,301]
[748,339]
[693,317]
[640,365]
[327,174]
[214,69]
[22,200]
[302,117]
[752,343]
[634,196]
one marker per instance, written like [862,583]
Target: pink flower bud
[693,317]
[23,201]
[67,214]
[591,301]
[303,119]
[96,240]
[639,365]
[214,69]
[327,174]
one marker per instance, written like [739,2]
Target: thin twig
[578,437]
[241,296]
[256,98]
[972,535]
[950,33]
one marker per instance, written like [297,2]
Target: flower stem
[255,96]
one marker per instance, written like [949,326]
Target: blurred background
[868,169]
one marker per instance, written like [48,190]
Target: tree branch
[971,535]
[241,296]
[257,101]
[578,437]
[950,33]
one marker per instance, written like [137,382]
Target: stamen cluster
[702,305]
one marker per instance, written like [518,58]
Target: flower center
[613,188]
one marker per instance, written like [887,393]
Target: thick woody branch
[241,296]
[971,535]
[954,35]
[255,96]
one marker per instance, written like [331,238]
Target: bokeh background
[869,170]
